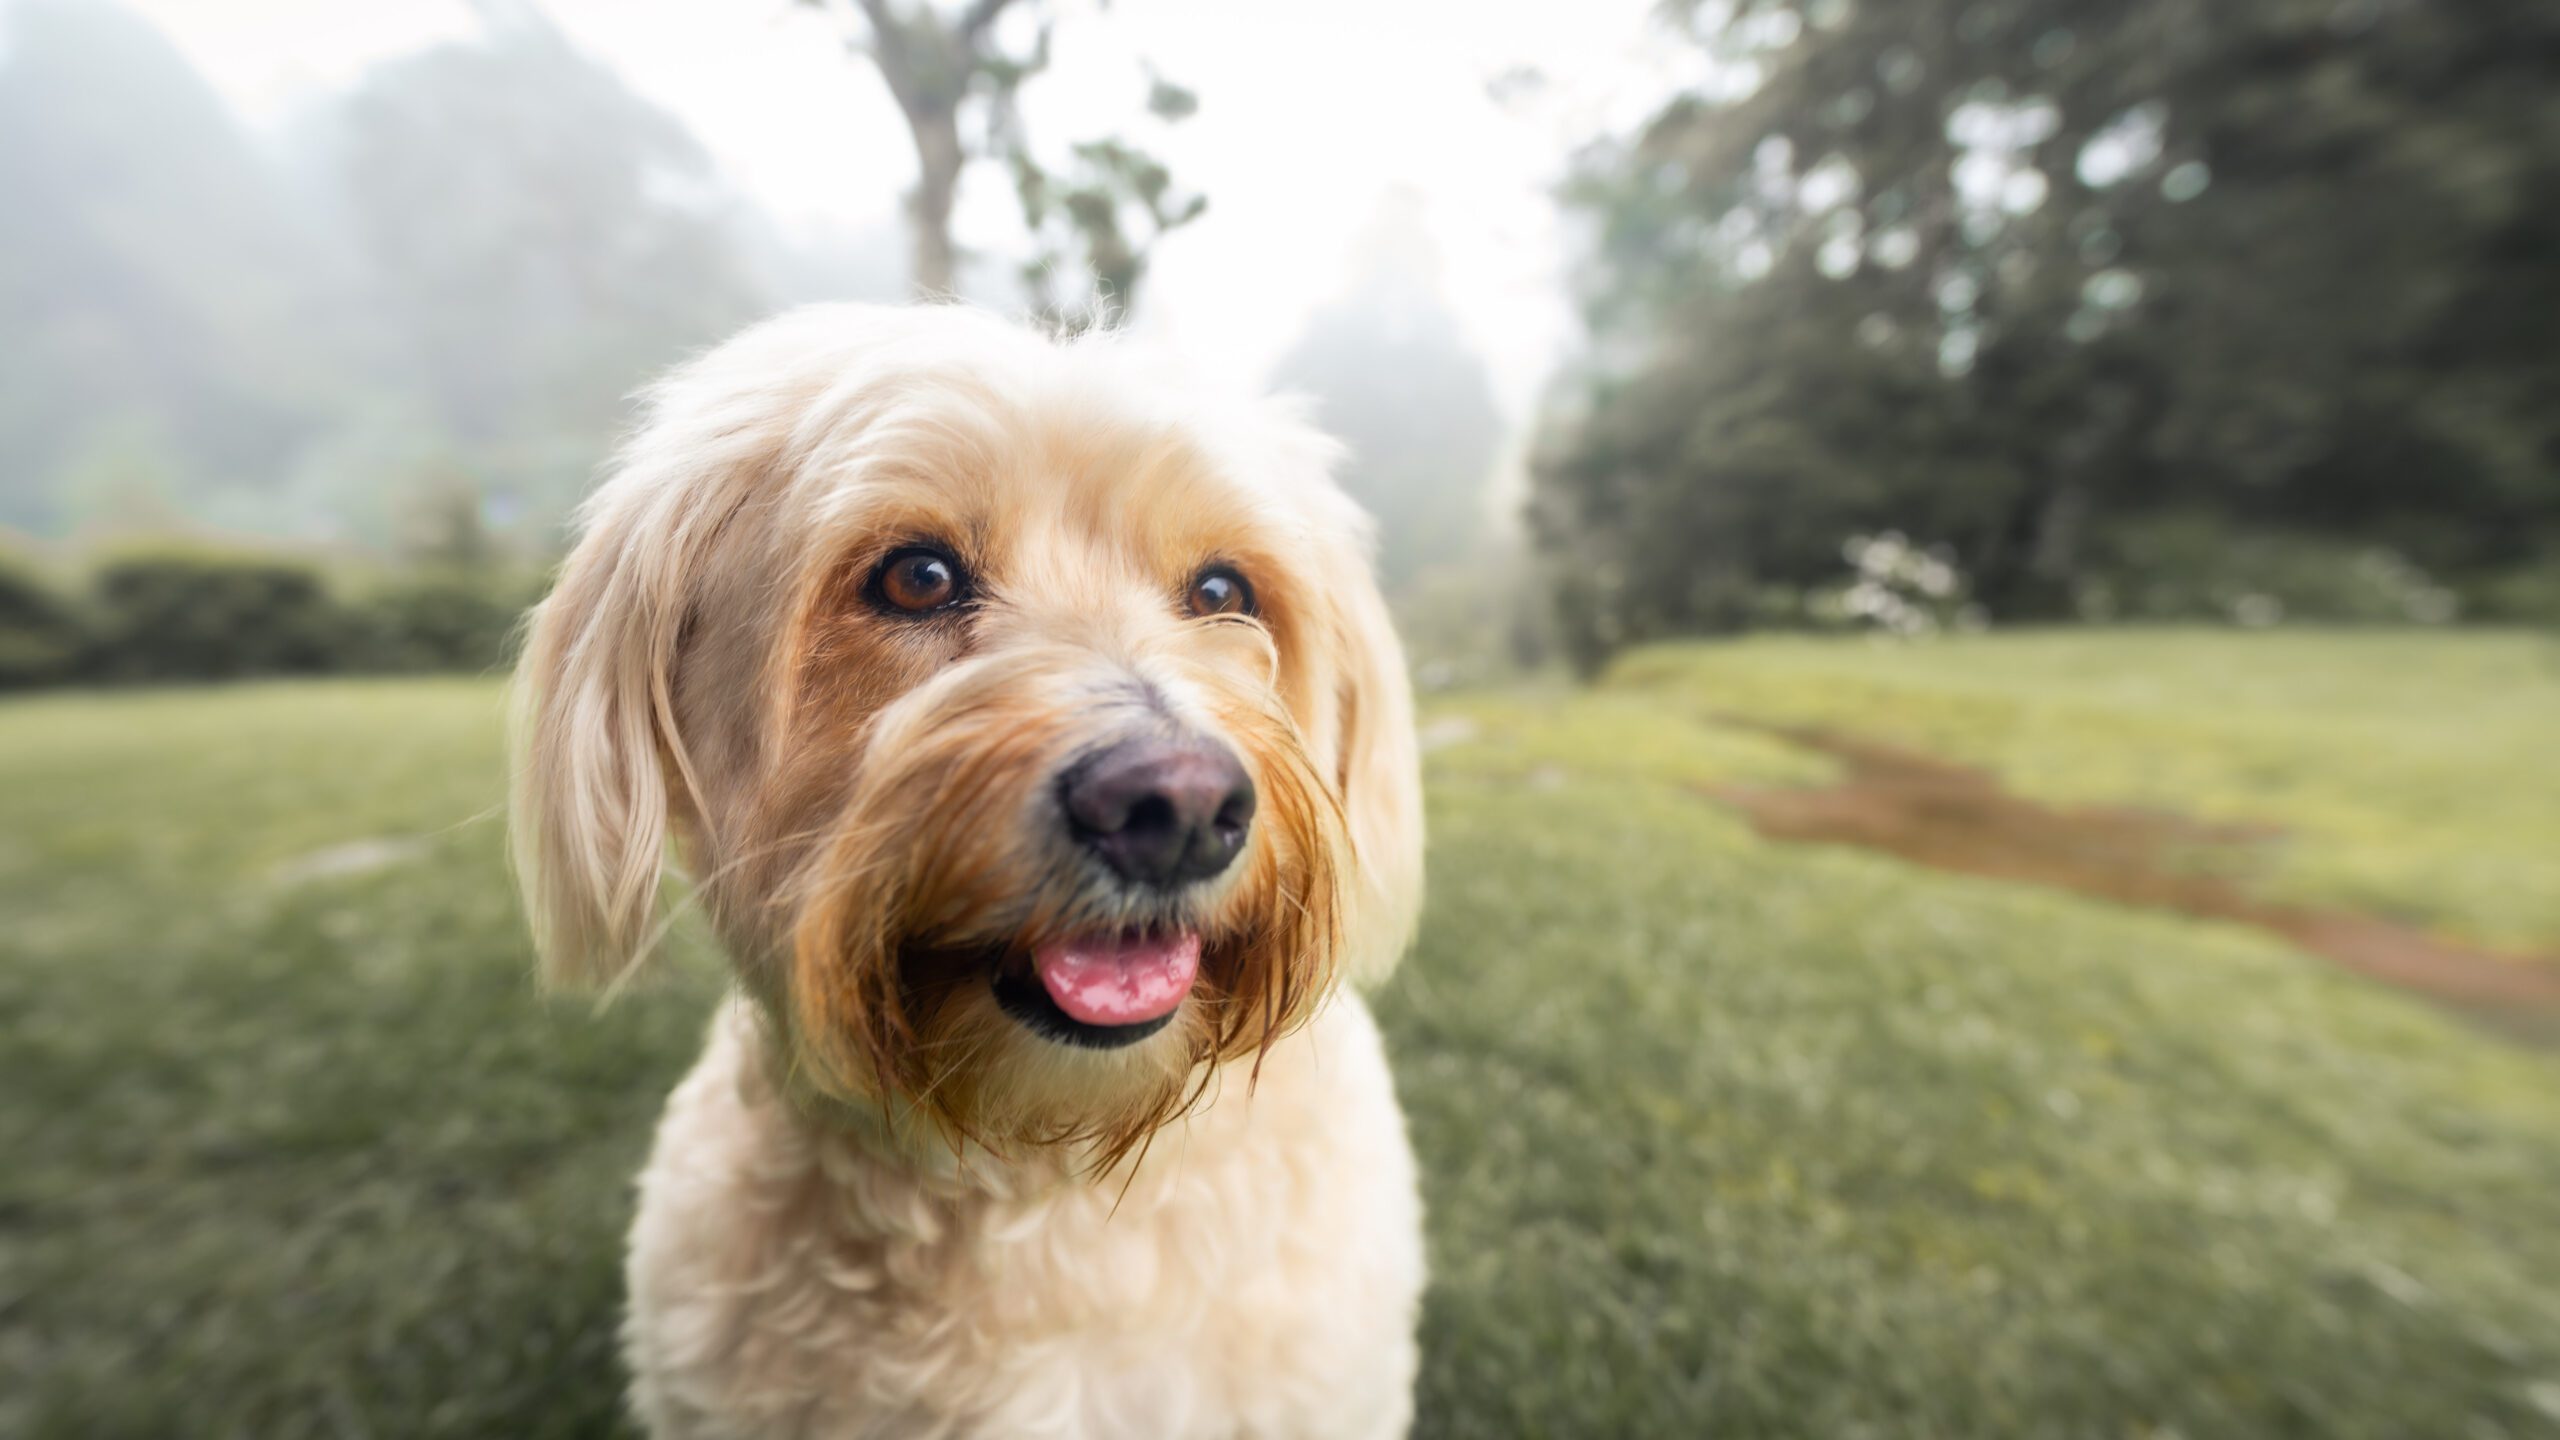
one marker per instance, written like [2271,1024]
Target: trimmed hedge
[186,614]
[195,616]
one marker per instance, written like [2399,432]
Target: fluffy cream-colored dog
[1034,735]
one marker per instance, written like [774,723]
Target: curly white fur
[1257,1274]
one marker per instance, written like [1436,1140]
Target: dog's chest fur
[1258,1276]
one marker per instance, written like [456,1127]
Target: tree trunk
[938,160]
[2044,587]
[2056,558]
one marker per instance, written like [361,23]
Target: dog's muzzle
[1162,813]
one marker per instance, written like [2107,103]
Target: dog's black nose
[1159,810]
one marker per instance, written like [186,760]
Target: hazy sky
[1311,111]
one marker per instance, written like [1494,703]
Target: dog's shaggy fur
[883,1204]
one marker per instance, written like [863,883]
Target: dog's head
[1030,726]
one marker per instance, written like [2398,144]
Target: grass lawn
[2417,777]
[1720,1135]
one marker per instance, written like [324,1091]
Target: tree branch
[890,52]
[886,34]
[979,17]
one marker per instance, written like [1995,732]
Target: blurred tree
[1110,210]
[479,253]
[42,635]
[1100,217]
[540,241]
[1395,379]
[443,521]
[2017,276]
[153,272]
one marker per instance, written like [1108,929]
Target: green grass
[2417,774]
[296,1157]
[1718,1136]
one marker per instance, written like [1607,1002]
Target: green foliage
[1101,218]
[1717,1136]
[441,620]
[2194,567]
[1092,223]
[179,614]
[176,613]
[1170,102]
[2527,595]
[2007,276]
[42,639]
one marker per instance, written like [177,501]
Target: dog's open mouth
[1102,991]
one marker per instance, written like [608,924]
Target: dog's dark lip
[1020,994]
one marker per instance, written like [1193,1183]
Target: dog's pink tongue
[1123,979]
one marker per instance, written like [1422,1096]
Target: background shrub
[42,638]
[2197,567]
[178,614]
[212,615]
[2529,595]
[193,613]
[444,619]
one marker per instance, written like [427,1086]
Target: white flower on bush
[1899,588]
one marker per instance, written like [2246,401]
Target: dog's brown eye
[918,580]
[1219,590]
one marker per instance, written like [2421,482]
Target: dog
[1031,730]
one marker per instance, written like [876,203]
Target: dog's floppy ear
[602,775]
[599,763]
[593,741]
[1379,770]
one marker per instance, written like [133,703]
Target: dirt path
[1955,817]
